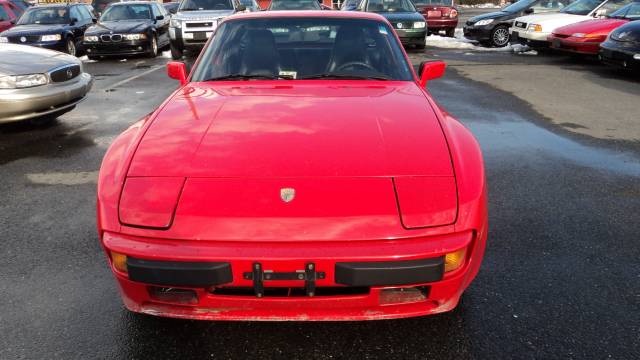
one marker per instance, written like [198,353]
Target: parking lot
[561,275]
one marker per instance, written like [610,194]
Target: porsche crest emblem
[287,194]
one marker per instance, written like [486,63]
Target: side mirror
[241,8]
[177,70]
[160,17]
[13,21]
[94,20]
[73,21]
[430,70]
[601,13]
[528,11]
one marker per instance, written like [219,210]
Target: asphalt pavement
[560,279]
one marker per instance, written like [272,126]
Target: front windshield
[519,6]
[390,6]
[126,12]
[43,16]
[250,4]
[194,5]
[434,2]
[294,5]
[299,48]
[581,7]
[631,12]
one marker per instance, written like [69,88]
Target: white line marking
[120,83]
[60,178]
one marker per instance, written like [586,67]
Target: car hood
[365,162]
[119,27]
[203,14]
[491,15]
[34,29]
[549,18]
[23,59]
[404,16]
[591,26]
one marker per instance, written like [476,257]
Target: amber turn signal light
[454,260]
[119,261]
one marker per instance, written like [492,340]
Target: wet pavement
[560,279]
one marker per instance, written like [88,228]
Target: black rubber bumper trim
[389,273]
[178,273]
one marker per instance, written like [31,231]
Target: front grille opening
[292,291]
[173,295]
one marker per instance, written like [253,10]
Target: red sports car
[585,37]
[300,172]
[440,15]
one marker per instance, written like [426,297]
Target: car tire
[153,47]
[176,53]
[500,36]
[450,32]
[70,47]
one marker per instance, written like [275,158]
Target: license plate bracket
[308,275]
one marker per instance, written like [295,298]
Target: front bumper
[574,45]
[58,45]
[477,33]
[531,39]
[410,37]
[358,280]
[623,58]
[192,37]
[133,47]
[22,104]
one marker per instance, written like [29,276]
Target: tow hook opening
[401,295]
[173,295]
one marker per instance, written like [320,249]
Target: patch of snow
[85,59]
[480,6]
[462,43]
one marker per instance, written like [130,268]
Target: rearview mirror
[160,17]
[177,70]
[430,70]
[240,8]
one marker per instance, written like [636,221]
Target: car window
[21,4]
[299,48]
[129,12]
[390,6]
[4,15]
[631,11]
[17,10]
[613,5]
[581,7]
[549,5]
[86,14]
[434,2]
[294,5]
[155,9]
[195,5]
[49,15]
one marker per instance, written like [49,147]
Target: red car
[9,13]
[301,176]
[585,37]
[441,15]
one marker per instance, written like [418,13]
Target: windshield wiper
[343,76]
[249,77]
[189,9]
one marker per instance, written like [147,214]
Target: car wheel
[500,36]
[153,47]
[176,53]
[70,47]
[421,46]
[451,32]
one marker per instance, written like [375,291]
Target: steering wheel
[355,63]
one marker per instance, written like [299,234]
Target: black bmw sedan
[492,29]
[55,27]
[129,28]
[622,47]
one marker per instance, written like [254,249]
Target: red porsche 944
[300,172]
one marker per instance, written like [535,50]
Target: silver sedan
[39,83]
